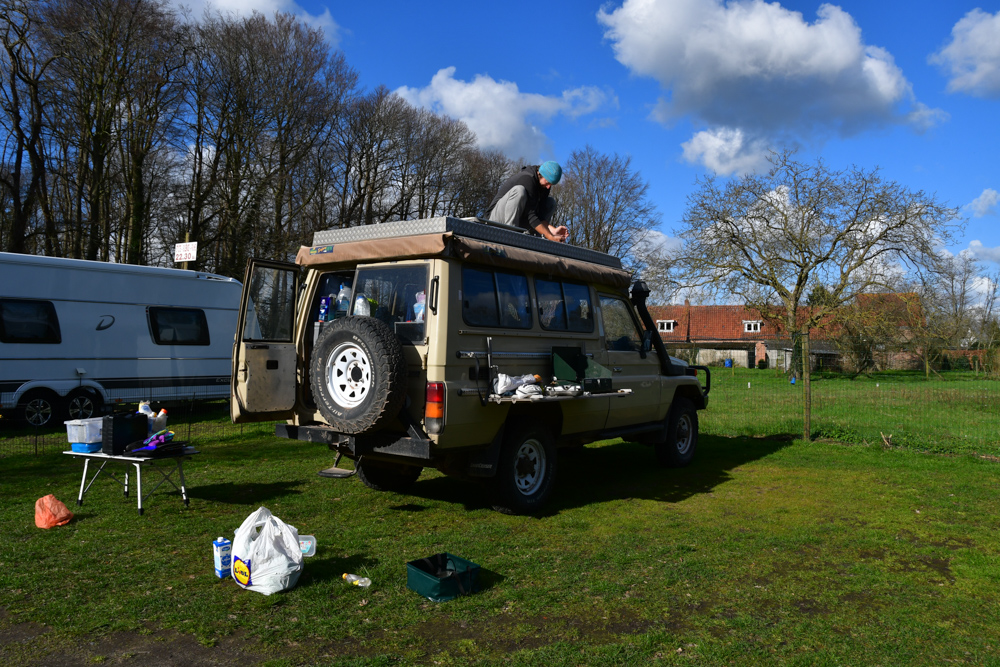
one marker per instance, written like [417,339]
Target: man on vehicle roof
[525,200]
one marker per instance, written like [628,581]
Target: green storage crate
[442,576]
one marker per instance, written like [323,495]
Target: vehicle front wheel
[526,471]
[382,476]
[678,447]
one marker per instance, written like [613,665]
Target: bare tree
[23,63]
[603,202]
[768,238]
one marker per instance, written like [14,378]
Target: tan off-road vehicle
[390,343]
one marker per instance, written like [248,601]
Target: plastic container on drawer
[84,430]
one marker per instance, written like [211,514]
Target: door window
[621,334]
[397,295]
[270,314]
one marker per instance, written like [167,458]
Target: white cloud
[981,252]
[726,151]
[972,57]
[984,204]
[762,69]
[502,116]
[322,21]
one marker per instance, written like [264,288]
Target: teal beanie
[551,171]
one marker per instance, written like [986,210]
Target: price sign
[186,252]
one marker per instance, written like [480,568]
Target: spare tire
[358,374]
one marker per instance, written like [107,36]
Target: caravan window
[178,326]
[23,321]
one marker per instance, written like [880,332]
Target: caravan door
[263,377]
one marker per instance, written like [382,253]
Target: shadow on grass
[248,493]
[615,472]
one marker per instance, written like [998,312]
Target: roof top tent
[77,335]
[470,228]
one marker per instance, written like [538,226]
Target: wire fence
[892,385]
[896,396]
[196,422]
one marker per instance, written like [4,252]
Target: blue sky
[691,87]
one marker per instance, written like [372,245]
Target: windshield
[394,294]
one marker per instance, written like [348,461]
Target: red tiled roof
[718,323]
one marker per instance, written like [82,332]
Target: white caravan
[76,336]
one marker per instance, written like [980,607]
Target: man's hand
[558,234]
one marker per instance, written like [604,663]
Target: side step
[335,472]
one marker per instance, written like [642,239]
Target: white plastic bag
[266,554]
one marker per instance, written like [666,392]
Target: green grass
[761,552]
[955,413]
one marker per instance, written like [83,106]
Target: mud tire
[526,470]
[358,374]
[678,447]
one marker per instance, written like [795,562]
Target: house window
[751,326]
[665,326]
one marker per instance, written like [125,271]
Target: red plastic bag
[50,512]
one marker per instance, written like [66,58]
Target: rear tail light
[434,407]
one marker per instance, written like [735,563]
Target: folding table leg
[138,485]
[79,498]
[180,471]
[126,482]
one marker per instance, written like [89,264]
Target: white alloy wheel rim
[530,466]
[685,432]
[348,375]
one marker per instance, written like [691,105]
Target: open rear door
[262,387]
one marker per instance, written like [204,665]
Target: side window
[551,308]
[178,326]
[620,332]
[24,321]
[564,306]
[495,299]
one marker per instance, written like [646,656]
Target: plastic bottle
[418,307]
[160,422]
[357,580]
[343,301]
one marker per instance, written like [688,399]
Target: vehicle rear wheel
[526,470]
[39,408]
[358,374]
[82,404]
[678,447]
[383,476]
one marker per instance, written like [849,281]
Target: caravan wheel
[82,404]
[39,408]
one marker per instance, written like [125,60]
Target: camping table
[166,471]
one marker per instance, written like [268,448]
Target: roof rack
[474,228]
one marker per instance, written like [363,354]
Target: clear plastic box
[84,430]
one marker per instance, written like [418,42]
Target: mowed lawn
[762,552]
[955,412]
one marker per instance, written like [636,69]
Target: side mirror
[647,342]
